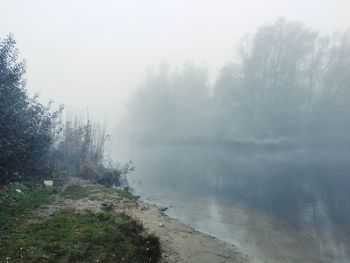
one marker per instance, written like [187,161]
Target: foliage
[109,177]
[81,150]
[35,141]
[88,170]
[26,126]
[81,146]
[114,176]
[81,237]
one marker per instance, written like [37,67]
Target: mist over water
[260,158]
[284,206]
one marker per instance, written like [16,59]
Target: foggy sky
[92,54]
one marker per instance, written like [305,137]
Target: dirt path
[179,242]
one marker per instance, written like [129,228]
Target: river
[276,205]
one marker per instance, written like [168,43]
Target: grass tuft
[18,199]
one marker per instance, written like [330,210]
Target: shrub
[26,126]
[88,170]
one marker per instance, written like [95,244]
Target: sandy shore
[179,242]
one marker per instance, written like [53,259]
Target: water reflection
[281,206]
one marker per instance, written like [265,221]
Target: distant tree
[332,107]
[286,81]
[170,105]
[281,77]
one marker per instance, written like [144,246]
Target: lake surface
[276,205]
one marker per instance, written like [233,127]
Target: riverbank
[43,224]
[182,243]
[178,242]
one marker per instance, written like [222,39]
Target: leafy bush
[110,177]
[26,126]
[107,176]
[115,176]
[88,170]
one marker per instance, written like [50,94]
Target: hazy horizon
[92,55]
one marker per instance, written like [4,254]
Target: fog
[92,54]
[234,113]
[288,85]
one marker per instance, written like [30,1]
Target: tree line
[286,82]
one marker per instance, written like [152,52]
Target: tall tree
[26,126]
[282,77]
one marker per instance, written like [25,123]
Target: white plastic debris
[19,191]
[48,183]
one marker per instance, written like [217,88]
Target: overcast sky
[92,54]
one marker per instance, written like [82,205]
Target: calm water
[277,205]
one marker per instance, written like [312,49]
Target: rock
[48,183]
[163,208]
[161,224]
[19,191]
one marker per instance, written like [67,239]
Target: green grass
[80,237]
[69,236]
[15,206]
